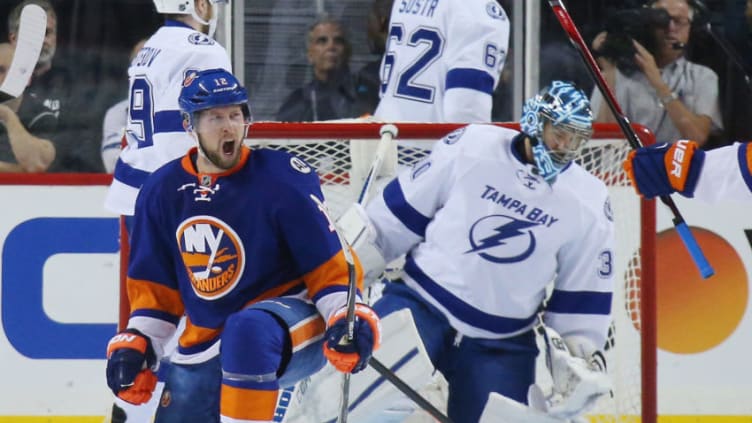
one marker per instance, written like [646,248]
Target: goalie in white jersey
[154,128]
[443,60]
[487,221]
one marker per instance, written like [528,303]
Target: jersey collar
[208,179]
[172,22]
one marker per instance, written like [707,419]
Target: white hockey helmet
[174,7]
[185,7]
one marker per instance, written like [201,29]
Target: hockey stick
[408,391]
[690,243]
[31,31]
[388,132]
[351,292]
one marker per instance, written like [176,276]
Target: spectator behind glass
[54,87]
[673,97]
[332,94]
[25,125]
[113,126]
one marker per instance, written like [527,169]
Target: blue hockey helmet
[208,89]
[567,108]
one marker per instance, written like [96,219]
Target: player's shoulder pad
[495,11]
[475,139]
[162,182]
[591,190]
[286,167]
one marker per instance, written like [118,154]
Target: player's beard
[221,160]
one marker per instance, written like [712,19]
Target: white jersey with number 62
[443,60]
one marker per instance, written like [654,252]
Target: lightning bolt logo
[502,233]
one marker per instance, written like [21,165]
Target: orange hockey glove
[130,357]
[663,169]
[352,356]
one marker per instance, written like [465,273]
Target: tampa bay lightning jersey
[443,60]
[484,235]
[726,174]
[209,245]
[154,130]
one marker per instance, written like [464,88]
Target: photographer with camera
[641,54]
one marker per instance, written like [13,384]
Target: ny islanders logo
[502,239]
[213,255]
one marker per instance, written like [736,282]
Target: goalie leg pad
[502,409]
[370,394]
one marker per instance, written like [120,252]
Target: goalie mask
[209,89]
[186,7]
[559,122]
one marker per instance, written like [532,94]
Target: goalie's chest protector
[233,237]
[495,239]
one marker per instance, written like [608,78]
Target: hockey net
[340,153]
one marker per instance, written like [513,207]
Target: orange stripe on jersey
[150,295]
[194,335]
[247,404]
[306,332]
[332,272]
[749,160]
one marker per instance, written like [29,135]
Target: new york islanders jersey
[484,236]
[154,130]
[726,174]
[209,245]
[443,60]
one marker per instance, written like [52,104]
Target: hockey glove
[351,356]
[130,358]
[662,169]
[578,382]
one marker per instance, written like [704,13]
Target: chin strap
[211,23]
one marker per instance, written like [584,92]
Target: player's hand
[352,356]
[662,169]
[130,358]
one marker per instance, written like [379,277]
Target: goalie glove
[130,358]
[351,356]
[578,382]
[663,169]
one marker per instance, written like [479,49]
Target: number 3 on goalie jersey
[432,43]
[141,112]
[607,264]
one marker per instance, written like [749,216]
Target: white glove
[578,383]
[361,235]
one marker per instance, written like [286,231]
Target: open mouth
[228,148]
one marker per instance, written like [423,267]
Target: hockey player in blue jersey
[486,222]
[233,239]
[154,134]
